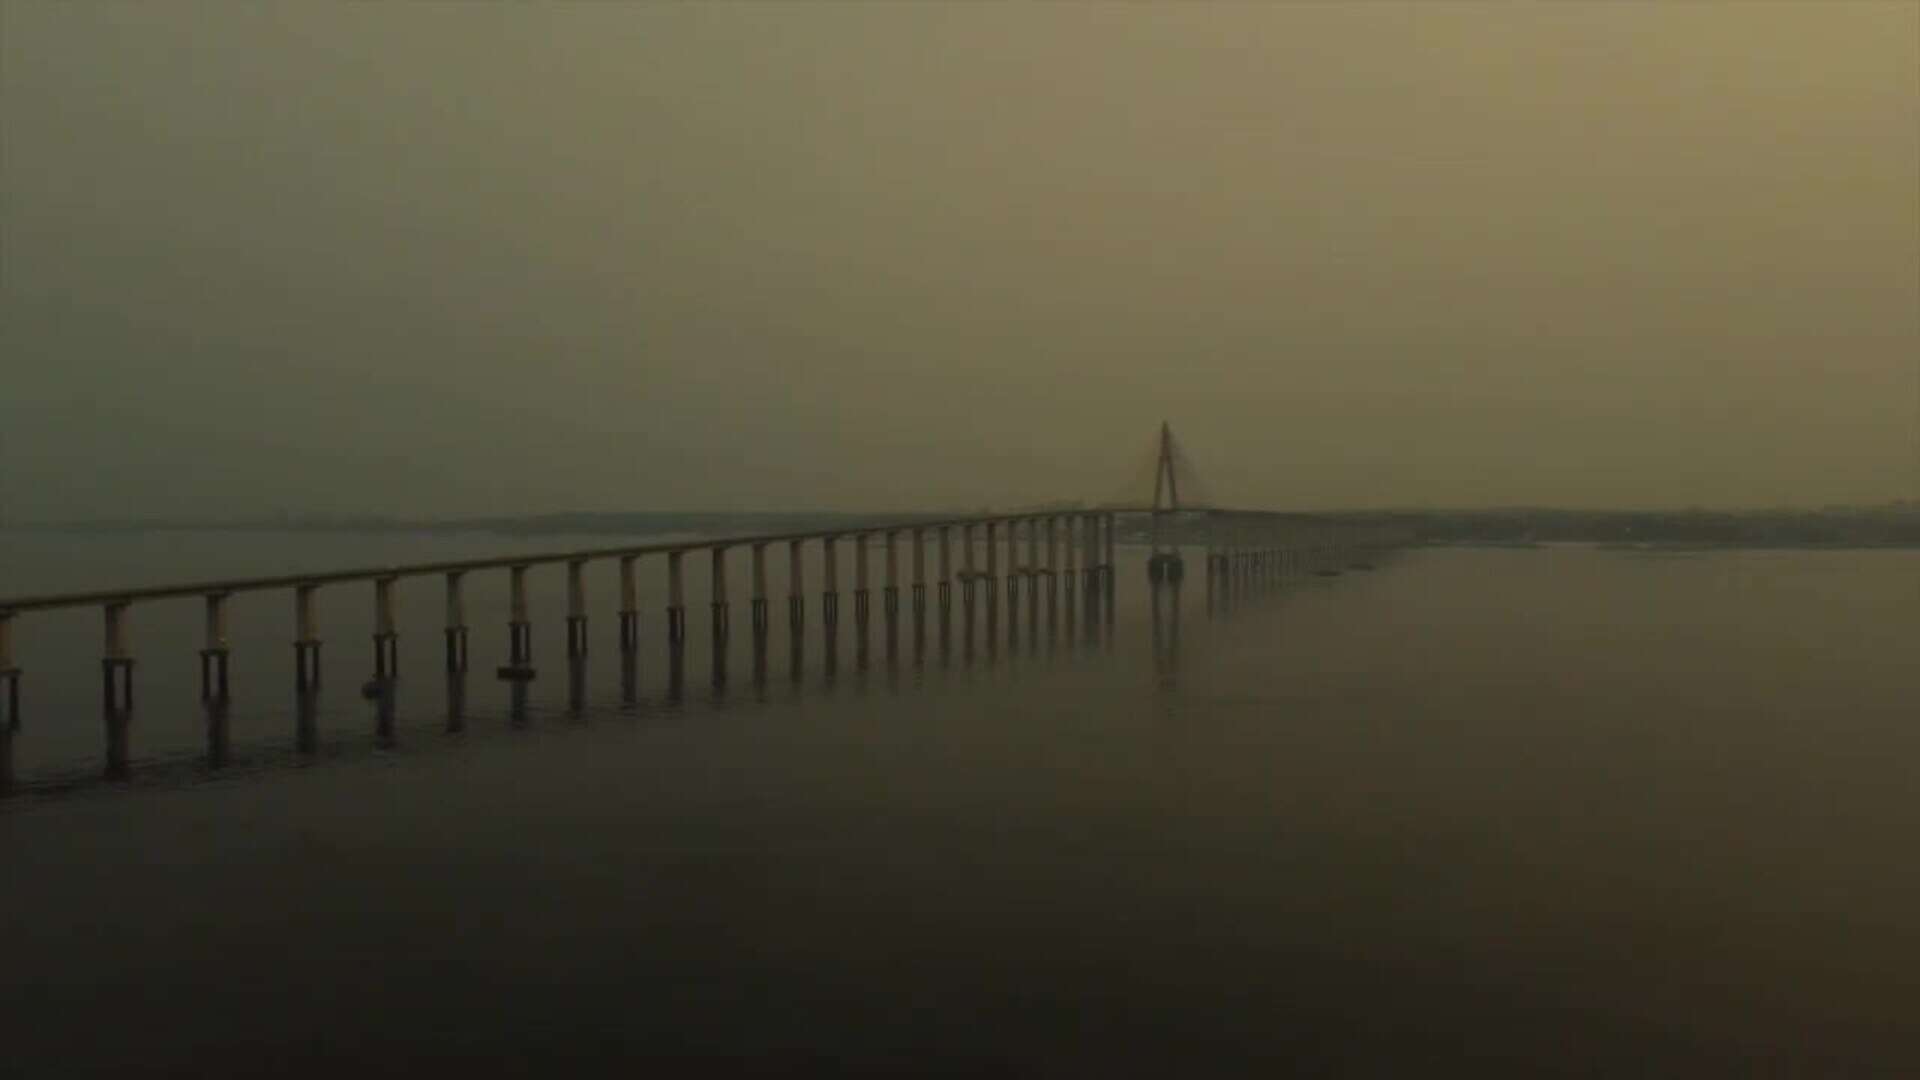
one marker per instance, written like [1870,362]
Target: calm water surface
[1536,812]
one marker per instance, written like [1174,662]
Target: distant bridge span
[1060,558]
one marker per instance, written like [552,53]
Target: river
[1559,811]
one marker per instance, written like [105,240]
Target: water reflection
[577,685]
[1165,616]
[722,640]
[456,700]
[629,676]
[306,720]
[383,691]
[219,731]
[517,701]
[760,632]
[676,662]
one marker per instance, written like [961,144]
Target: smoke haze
[484,258]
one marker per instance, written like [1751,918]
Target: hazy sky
[434,258]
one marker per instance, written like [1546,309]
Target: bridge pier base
[830,627]
[10,700]
[519,666]
[213,673]
[676,650]
[577,685]
[116,698]
[386,655]
[860,620]
[919,602]
[456,650]
[722,636]
[796,636]
[758,614]
[890,612]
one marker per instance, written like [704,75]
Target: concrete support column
[116,688]
[1112,529]
[1033,561]
[306,641]
[576,608]
[214,651]
[944,586]
[759,611]
[1053,566]
[1013,575]
[10,700]
[629,605]
[386,640]
[890,592]
[861,606]
[386,660]
[519,667]
[830,593]
[456,631]
[676,622]
[722,617]
[1090,572]
[919,590]
[1112,576]
[676,598]
[796,607]
[215,690]
[1016,569]
[1034,572]
[1070,573]
[969,583]
[992,581]
[456,643]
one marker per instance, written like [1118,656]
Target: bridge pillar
[1053,575]
[10,700]
[830,602]
[676,624]
[214,653]
[860,604]
[456,630]
[306,670]
[629,605]
[1112,574]
[1032,574]
[759,614]
[456,649]
[214,687]
[945,587]
[796,608]
[1070,573]
[386,660]
[1090,573]
[116,689]
[919,593]
[306,641]
[576,608]
[386,639]
[519,665]
[1014,572]
[722,617]
[890,593]
[992,583]
[969,579]
[629,630]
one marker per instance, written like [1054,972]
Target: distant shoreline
[1863,528]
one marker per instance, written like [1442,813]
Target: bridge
[1057,561]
